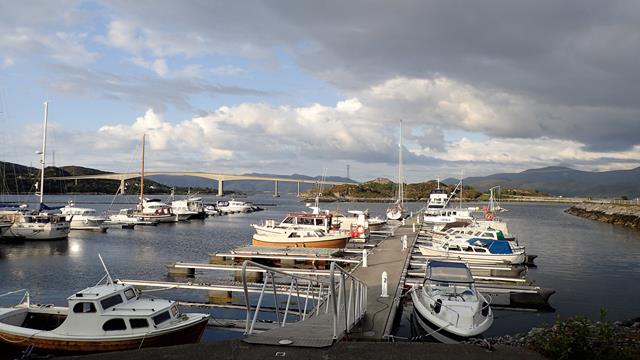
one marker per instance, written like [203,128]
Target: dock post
[411,214]
[402,221]
[384,285]
[414,227]
[220,188]
[404,242]
[364,257]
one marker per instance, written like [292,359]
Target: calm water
[589,264]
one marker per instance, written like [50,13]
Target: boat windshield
[451,290]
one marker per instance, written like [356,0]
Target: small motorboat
[448,306]
[475,249]
[106,317]
[234,206]
[83,218]
[302,238]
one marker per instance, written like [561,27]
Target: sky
[300,86]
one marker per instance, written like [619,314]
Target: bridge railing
[342,294]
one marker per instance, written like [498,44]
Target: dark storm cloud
[563,56]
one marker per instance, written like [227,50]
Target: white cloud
[228,70]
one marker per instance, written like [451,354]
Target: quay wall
[625,215]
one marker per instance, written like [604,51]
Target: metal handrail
[348,305]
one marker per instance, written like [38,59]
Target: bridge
[122,177]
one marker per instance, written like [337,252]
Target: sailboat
[397,211]
[152,210]
[38,225]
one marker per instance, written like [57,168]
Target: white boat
[376,223]
[448,306]
[475,249]
[191,207]
[38,225]
[301,221]
[438,198]
[234,206]
[302,238]
[83,218]
[128,217]
[211,210]
[156,210]
[35,226]
[106,317]
[446,216]
[397,211]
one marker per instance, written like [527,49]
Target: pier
[353,293]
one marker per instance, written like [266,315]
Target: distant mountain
[246,185]
[563,181]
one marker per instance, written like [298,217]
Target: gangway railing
[340,294]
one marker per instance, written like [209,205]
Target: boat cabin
[110,309]
[438,199]
[306,220]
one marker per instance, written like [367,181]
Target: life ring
[360,229]
[489,216]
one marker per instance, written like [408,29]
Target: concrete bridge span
[220,177]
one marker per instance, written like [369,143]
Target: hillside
[386,189]
[19,179]
[563,181]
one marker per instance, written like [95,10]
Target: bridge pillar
[121,189]
[275,193]
[220,188]
[298,189]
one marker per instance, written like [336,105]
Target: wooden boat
[302,238]
[106,317]
[448,306]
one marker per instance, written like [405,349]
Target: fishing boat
[128,218]
[438,198]
[448,306]
[397,211]
[105,317]
[300,220]
[302,238]
[157,211]
[83,218]
[475,249]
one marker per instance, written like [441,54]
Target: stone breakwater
[576,338]
[626,215]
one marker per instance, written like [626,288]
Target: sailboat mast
[44,151]
[142,178]
[400,182]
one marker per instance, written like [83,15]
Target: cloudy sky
[300,86]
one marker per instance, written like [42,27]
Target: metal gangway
[328,307]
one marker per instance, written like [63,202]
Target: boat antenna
[44,152]
[109,278]
[142,178]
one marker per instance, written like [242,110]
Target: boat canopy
[446,271]
[494,246]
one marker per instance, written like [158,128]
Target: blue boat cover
[494,246]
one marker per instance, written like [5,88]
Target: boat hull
[333,243]
[497,258]
[186,335]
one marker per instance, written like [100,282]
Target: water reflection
[16,249]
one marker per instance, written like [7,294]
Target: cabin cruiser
[448,306]
[34,226]
[211,210]
[438,198]
[106,317]
[475,249]
[83,218]
[233,206]
[128,217]
[302,238]
[192,207]
[156,210]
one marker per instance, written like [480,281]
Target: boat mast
[142,178]
[400,185]
[44,152]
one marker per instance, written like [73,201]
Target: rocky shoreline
[577,338]
[625,215]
